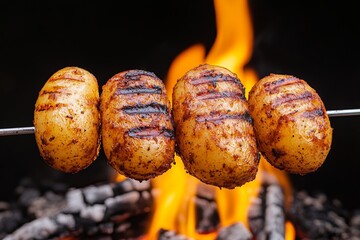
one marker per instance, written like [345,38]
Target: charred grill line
[135,74]
[146,109]
[317,112]
[137,90]
[66,79]
[46,107]
[272,86]
[55,92]
[217,95]
[214,78]
[218,116]
[149,132]
[292,97]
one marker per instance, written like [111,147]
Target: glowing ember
[175,190]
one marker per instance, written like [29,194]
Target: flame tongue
[175,190]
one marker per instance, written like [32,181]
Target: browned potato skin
[137,125]
[67,120]
[291,123]
[214,132]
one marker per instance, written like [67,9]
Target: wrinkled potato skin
[137,125]
[214,132]
[291,123]
[67,120]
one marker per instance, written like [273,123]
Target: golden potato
[214,131]
[137,126]
[291,124]
[67,120]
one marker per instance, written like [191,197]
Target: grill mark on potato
[44,92]
[47,107]
[317,112]
[274,85]
[146,109]
[311,113]
[210,77]
[150,132]
[217,95]
[62,78]
[219,116]
[292,97]
[136,74]
[139,90]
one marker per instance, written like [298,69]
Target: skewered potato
[214,131]
[291,123]
[137,127]
[67,120]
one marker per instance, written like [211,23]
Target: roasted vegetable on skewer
[137,127]
[214,129]
[291,124]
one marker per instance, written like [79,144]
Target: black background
[318,43]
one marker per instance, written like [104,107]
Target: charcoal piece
[131,202]
[78,198]
[77,218]
[9,220]
[129,185]
[75,201]
[106,228]
[28,195]
[236,231]
[164,234]
[266,214]
[133,228]
[96,212]
[97,194]
[207,216]
[43,228]
[47,205]
[317,217]
[355,224]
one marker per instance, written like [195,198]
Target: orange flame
[175,190]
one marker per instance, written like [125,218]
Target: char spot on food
[136,74]
[217,117]
[150,132]
[139,90]
[43,140]
[73,141]
[277,153]
[115,151]
[146,109]
[287,98]
[217,95]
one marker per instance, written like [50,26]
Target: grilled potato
[291,123]
[214,131]
[137,126]
[67,120]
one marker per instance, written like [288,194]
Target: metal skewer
[17,131]
[31,130]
